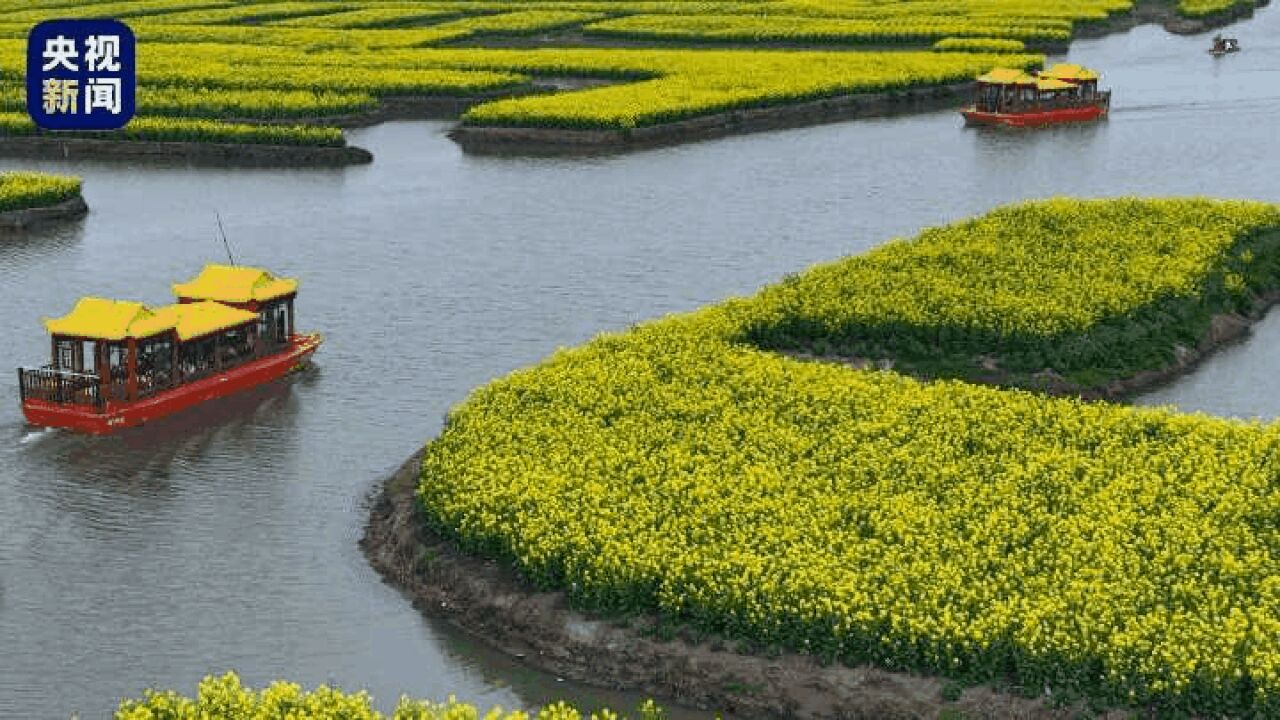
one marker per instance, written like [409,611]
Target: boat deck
[75,405]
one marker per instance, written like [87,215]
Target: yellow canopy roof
[193,320]
[1052,84]
[101,319]
[1069,71]
[226,283]
[1007,76]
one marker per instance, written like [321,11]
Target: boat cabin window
[155,365]
[117,371]
[273,323]
[988,98]
[195,358]
[235,346]
[70,354]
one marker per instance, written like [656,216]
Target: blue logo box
[81,74]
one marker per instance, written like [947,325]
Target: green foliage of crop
[673,84]
[1201,8]
[251,13]
[24,190]
[305,39]
[1104,288]
[225,698]
[161,129]
[276,104]
[1210,8]
[987,45]
[521,22]
[1011,10]
[771,28]
[1127,554]
[1098,288]
[29,11]
[171,101]
[375,17]
[697,83]
[334,78]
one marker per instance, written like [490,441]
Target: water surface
[227,538]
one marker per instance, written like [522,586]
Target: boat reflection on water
[146,451]
[276,399]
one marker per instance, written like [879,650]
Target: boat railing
[67,387]
[1102,98]
[56,385]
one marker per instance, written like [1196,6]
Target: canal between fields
[227,539]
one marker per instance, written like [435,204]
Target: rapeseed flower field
[864,516]
[1093,290]
[212,59]
[219,698]
[21,190]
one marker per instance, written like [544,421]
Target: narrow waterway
[227,538]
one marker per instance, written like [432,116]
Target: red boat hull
[121,415]
[1034,119]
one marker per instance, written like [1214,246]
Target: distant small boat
[1063,93]
[117,364]
[1224,46]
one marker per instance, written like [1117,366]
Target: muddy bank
[492,602]
[198,153]
[534,140]
[1224,329]
[69,209]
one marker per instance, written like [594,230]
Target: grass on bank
[26,190]
[1128,555]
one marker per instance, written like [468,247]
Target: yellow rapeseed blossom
[224,698]
[207,62]
[1129,553]
[21,190]
[1101,288]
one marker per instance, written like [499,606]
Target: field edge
[493,603]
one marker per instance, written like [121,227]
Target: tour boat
[1224,46]
[118,364]
[1063,93]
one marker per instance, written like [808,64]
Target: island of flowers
[975,532]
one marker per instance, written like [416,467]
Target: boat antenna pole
[225,244]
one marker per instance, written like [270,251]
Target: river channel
[226,538]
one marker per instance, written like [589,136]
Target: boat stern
[69,417]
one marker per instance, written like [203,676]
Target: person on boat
[1219,43]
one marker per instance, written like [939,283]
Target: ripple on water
[225,538]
